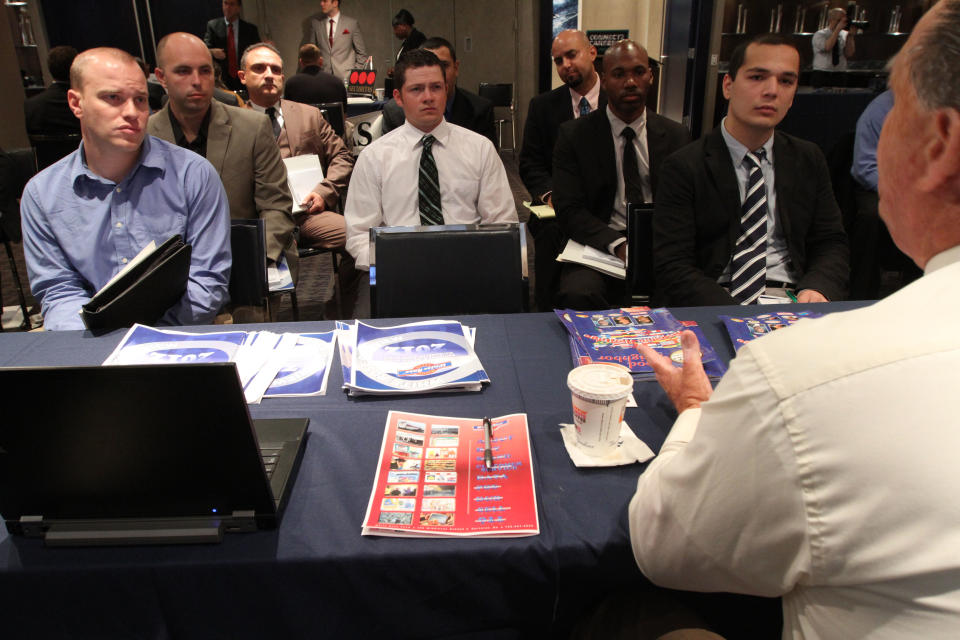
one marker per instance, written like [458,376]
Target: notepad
[303,174]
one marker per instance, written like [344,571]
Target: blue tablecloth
[316,576]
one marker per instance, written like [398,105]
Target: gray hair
[934,68]
[259,45]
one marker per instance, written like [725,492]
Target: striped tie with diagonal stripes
[430,212]
[749,265]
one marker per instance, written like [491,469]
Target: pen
[790,293]
[487,437]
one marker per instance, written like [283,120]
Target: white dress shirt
[385,181]
[263,110]
[618,220]
[823,60]
[592,96]
[824,469]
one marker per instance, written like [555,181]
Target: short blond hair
[83,60]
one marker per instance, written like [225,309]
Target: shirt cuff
[612,247]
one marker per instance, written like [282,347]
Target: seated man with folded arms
[428,171]
[823,467]
[88,215]
[748,211]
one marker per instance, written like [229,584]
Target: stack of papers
[421,357]
[744,329]
[269,364]
[613,335]
[589,257]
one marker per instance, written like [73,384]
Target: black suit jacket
[216,38]
[545,114]
[48,113]
[312,85]
[585,173]
[469,111]
[414,40]
[697,220]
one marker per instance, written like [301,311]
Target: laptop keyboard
[270,452]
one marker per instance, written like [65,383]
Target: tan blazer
[348,50]
[241,147]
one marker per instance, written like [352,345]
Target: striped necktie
[429,187]
[749,264]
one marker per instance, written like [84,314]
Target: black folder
[144,293]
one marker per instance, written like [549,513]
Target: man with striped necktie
[428,171]
[745,212]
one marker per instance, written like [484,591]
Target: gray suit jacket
[348,51]
[243,150]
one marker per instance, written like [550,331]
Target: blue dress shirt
[864,169]
[80,229]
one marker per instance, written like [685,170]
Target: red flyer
[433,479]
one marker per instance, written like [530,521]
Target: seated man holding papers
[87,216]
[601,162]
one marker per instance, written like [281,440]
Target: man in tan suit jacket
[347,51]
[239,143]
[300,130]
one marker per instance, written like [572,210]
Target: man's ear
[727,81]
[241,74]
[941,152]
[162,79]
[73,100]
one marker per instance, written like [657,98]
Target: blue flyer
[305,371]
[744,329]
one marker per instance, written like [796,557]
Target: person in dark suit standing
[48,113]
[311,84]
[747,211]
[464,108]
[410,37]
[579,94]
[603,161]
[227,38]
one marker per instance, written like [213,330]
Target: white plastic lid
[600,381]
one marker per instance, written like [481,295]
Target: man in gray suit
[338,37]
[239,143]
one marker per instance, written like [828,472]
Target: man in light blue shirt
[88,215]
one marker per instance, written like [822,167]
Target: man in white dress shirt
[386,188]
[823,468]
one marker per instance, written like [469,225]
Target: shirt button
[123,261]
[119,190]
[119,225]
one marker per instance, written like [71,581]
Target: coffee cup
[599,395]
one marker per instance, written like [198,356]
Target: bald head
[573,55]
[626,79]
[93,59]
[178,43]
[622,49]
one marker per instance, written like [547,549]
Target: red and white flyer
[432,479]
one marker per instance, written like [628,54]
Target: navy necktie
[749,265]
[584,107]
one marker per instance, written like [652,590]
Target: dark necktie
[584,107]
[749,265]
[632,185]
[331,34]
[272,112]
[429,188]
[231,51]
[836,51]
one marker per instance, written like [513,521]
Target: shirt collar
[150,158]
[617,125]
[179,138]
[441,132]
[256,107]
[592,96]
[943,259]
[738,150]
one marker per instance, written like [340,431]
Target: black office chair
[332,112]
[640,282]
[502,96]
[248,277]
[52,147]
[448,270]
[16,168]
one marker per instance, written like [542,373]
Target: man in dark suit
[579,95]
[47,112]
[463,108]
[410,37]
[748,211]
[226,51]
[603,161]
[311,84]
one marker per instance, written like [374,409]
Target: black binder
[144,293]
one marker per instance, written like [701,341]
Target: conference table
[316,576]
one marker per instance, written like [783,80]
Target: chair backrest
[639,250]
[248,277]
[332,112]
[52,147]
[501,95]
[448,269]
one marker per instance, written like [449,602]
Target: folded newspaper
[268,364]
[420,357]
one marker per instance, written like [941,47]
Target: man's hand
[313,203]
[687,387]
[621,251]
[811,295]
[219,54]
